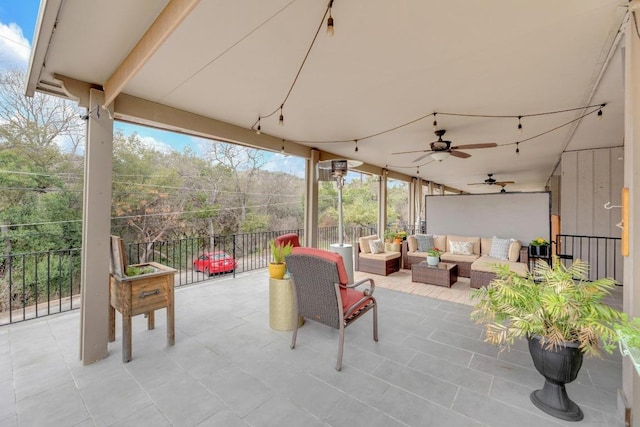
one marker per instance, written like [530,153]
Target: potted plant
[433,256]
[389,236]
[277,267]
[562,316]
[629,339]
[539,247]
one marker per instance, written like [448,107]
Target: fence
[38,284]
[602,253]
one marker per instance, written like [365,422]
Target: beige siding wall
[591,178]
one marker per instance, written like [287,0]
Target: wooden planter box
[141,294]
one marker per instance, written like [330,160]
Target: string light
[356,141]
[435,121]
[517,147]
[259,129]
[519,124]
[600,114]
[281,119]
[330,30]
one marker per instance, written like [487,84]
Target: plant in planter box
[277,268]
[389,236]
[562,316]
[539,246]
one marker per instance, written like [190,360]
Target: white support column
[311,202]
[419,197]
[412,201]
[631,289]
[382,204]
[96,227]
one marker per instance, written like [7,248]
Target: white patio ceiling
[388,64]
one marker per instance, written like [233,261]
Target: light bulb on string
[281,119]
[600,114]
[330,29]
[517,148]
[259,128]
[356,149]
[435,121]
[519,124]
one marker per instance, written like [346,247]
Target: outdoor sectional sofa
[382,263]
[478,264]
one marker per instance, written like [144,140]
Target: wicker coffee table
[443,274]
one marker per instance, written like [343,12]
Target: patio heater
[336,170]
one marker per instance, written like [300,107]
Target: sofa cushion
[440,242]
[376,246]
[449,257]
[500,248]
[460,248]
[485,245]
[487,264]
[475,241]
[385,256]
[364,243]
[425,242]
[412,244]
[514,250]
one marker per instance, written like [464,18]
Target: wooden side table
[142,294]
[281,305]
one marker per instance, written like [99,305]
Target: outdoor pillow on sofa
[500,248]
[461,248]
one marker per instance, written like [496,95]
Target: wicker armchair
[321,293]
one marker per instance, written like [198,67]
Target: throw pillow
[377,246]
[500,248]
[514,250]
[461,248]
[425,242]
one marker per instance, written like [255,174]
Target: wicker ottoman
[443,274]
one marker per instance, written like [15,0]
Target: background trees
[158,194]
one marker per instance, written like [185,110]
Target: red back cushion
[288,238]
[329,256]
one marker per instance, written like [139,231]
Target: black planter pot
[543,251]
[533,250]
[559,367]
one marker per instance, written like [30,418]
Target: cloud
[151,142]
[288,164]
[14,47]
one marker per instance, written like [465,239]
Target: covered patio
[228,368]
[235,72]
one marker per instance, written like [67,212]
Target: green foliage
[279,252]
[556,303]
[133,270]
[630,331]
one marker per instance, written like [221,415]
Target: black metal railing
[602,253]
[38,284]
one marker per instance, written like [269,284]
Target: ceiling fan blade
[422,157]
[460,154]
[503,183]
[414,151]
[472,146]
[478,183]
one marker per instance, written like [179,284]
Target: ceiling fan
[492,181]
[441,149]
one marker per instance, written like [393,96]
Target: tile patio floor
[228,368]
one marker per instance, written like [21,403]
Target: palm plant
[555,303]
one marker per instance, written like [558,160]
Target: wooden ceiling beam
[167,21]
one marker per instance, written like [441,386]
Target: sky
[17,24]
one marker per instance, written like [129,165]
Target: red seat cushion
[288,238]
[329,256]
[350,297]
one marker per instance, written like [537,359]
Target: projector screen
[521,216]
